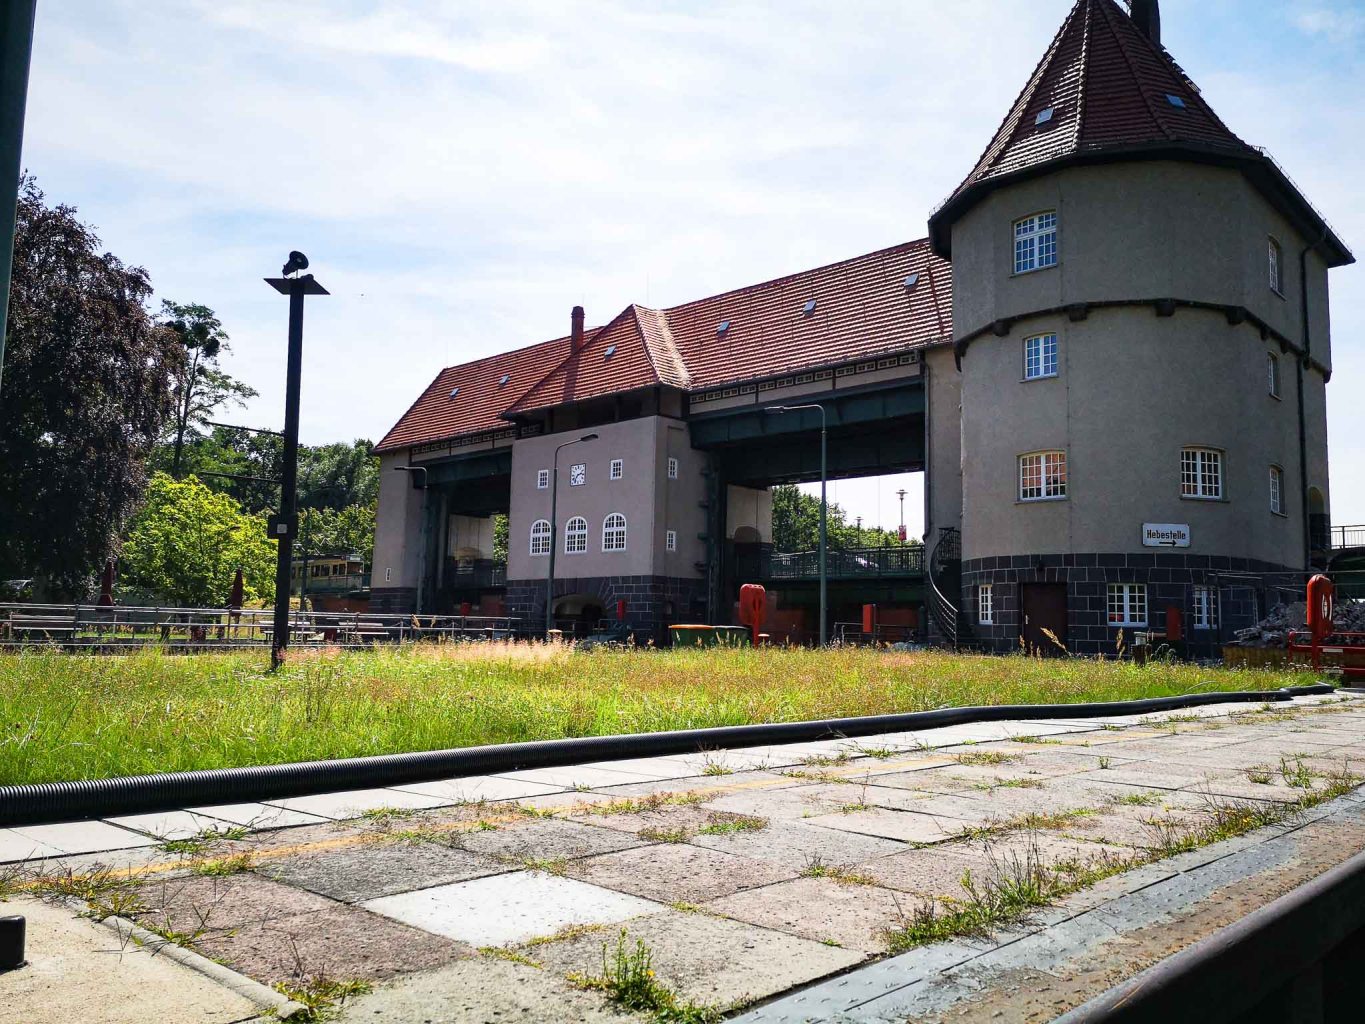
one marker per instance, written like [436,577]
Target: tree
[796,524]
[337,475]
[187,542]
[199,385]
[86,393]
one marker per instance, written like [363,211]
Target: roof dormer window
[1044,116]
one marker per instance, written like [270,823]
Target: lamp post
[16,48]
[426,541]
[554,499]
[824,505]
[901,494]
[285,524]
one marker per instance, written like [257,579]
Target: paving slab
[1150,776]
[795,844]
[483,991]
[84,837]
[355,802]
[81,971]
[576,776]
[15,846]
[905,826]
[479,787]
[678,872]
[854,916]
[690,817]
[172,824]
[207,903]
[705,959]
[510,908]
[341,942]
[652,767]
[353,874]
[258,817]
[548,839]
[790,803]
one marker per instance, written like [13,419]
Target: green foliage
[187,542]
[327,531]
[199,385]
[628,980]
[796,524]
[86,392]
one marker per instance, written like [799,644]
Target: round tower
[1141,326]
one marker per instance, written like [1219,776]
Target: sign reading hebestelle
[1165,535]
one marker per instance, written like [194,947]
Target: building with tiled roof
[1109,357]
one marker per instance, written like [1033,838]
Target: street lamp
[901,494]
[422,561]
[824,568]
[554,498]
[285,524]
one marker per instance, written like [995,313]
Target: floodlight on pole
[284,525]
[554,499]
[824,503]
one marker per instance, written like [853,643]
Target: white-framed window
[1276,267]
[1127,604]
[576,536]
[1035,242]
[1277,490]
[1272,374]
[618,469]
[672,469]
[542,479]
[1040,356]
[670,540]
[614,532]
[985,604]
[1201,473]
[1042,476]
[540,537]
[1205,610]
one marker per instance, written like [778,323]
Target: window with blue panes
[1035,242]
[1040,356]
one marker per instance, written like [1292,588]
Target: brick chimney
[1147,16]
[576,332]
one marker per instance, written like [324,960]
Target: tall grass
[75,716]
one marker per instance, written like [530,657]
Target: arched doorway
[578,614]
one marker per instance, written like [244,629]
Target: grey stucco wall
[650,501]
[943,472]
[398,526]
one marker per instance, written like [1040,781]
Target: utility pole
[16,51]
[824,503]
[284,525]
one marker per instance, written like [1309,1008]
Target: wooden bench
[46,627]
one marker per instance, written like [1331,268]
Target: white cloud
[462,173]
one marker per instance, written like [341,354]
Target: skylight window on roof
[454,392]
[722,327]
[1044,116]
[910,281]
[1175,101]
[611,351]
[810,307]
[502,381]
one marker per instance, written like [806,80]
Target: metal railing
[87,626]
[465,573]
[1348,537]
[945,567]
[851,634]
[856,563]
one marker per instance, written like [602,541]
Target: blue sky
[461,174]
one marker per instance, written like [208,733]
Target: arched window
[576,536]
[614,532]
[540,537]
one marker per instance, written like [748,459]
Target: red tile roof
[1108,87]
[862,307]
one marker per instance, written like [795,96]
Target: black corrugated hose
[49,802]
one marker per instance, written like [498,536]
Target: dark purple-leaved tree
[87,392]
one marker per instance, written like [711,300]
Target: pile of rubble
[1274,629]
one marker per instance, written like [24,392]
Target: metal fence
[87,626]
[856,563]
[1348,537]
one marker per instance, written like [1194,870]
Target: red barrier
[1175,625]
[753,607]
[621,610]
[869,618]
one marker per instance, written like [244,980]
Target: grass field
[71,716]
